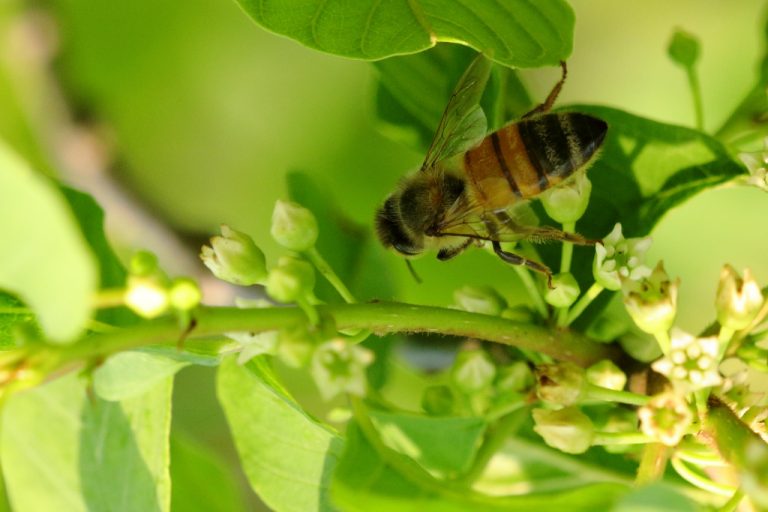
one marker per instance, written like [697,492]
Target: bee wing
[463,124]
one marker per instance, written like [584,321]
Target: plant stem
[585,300]
[109,298]
[733,502]
[652,463]
[699,480]
[327,272]
[612,395]
[693,81]
[382,318]
[620,438]
[665,344]
[567,254]
[533,290]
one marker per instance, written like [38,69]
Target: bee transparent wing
[463,124]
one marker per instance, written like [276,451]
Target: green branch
[382,318]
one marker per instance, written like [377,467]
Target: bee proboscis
[472,186]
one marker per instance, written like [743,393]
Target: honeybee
[473,187]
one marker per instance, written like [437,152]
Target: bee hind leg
[514,259]
[547,105]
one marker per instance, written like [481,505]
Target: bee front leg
[514,259]
[547,105]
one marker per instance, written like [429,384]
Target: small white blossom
[652,301]
[618,259]
[757,164]
[692,362]
[738,300]
[666,418]
[339,367]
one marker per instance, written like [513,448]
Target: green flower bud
[560,383]
[143,263]
[683,49]
[146,296]
[339,367]
[516,377]
[184,294]
[692,362]
[618,259]
[569,430]
[666,418]
[521,314]
[291,280]
[479,299]
[473,371]
[293,226]
[606,375]
[564,292]
[233,257]
[652,301]
[738,300]
[295,346]
[568,201]
[438,401]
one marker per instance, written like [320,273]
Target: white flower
[692,362]
[757,166]
[652,301]
[339,367]
[618,259]
[666,417]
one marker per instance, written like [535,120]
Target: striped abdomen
[525,158]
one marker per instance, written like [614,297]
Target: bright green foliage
[201,480]
[287,456]
[62,451]
[444,445]
[517,33]
[653,498]
[36,223]
[129,374]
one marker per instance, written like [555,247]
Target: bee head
[392,231]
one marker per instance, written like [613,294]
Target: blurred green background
[205,113]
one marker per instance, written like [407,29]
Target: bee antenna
[413,271]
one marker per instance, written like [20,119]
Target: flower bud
[666,418]
[564,292]
[692,362]
[738,300]
[293,226]
[184,294]
[618,259]
[561,383]
[339,367]
[608,327]
[568,429]
[652,301]
[233,257]
[516,376]
[473,371]
[568,201]
[143,263]
[683,49]
[479,299]
[146,296]
[291,280]
[437,401]
[606,375]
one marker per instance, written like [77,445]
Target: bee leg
[514,259]
[547,105]
[451,252]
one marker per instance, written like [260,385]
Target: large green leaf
[201,481]
[129,374]
[287,456]
[62,451]
[517,33]
[364,481]
[443,445]
[45,260]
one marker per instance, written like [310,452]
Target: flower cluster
[618,259]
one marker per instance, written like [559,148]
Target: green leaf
[11,313]
[287,455]
[46,262]
[413,90]
[201,481]
[129,374]
[444,445]
[63,451]
[366,482]
[516,33]
[655,497]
